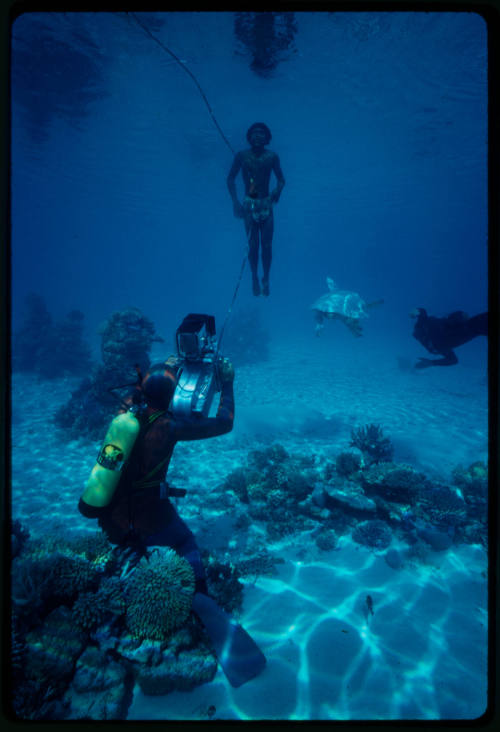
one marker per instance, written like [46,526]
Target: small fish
[369,604]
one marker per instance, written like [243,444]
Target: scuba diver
[442,335]
[128,495]
[256,165]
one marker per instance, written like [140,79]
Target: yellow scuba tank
[115,451]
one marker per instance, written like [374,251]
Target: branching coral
[370,440]
[159,594]
[92,608]
[71,575]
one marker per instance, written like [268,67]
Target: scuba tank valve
[115,451]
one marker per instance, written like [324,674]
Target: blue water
[118,174]
[118,185]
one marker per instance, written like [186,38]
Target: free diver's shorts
[259,208]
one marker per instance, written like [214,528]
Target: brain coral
[159,593]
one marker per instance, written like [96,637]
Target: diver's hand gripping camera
[198,366]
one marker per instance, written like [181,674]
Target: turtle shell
[341,302]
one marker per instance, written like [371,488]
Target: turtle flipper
[354,326]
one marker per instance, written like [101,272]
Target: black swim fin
[238,654]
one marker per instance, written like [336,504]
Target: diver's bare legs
[260,233]
[252,230]
[266,237]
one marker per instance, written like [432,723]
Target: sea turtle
[343,305]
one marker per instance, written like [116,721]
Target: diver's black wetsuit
[442,335]
[138,502]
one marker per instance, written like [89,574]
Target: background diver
[442,335]
[256,165]
[139,513]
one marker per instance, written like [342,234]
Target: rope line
[187,70]
[203,95]
[231,305]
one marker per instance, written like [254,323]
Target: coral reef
[79,622]
[71,575]
[473,485]
[159,595]
[347,463]
[441,506]
[245,339]
[236,481]
[325,539]
[277,489]
[374,447]
[47,348]
[350,498]
[396,482]
[289,495]
[95,608]
[181,662]
[100,684]
[49,661]
[181,670]
[375,534]
[223,582]
[126,341]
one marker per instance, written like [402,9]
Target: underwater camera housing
[197,366]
